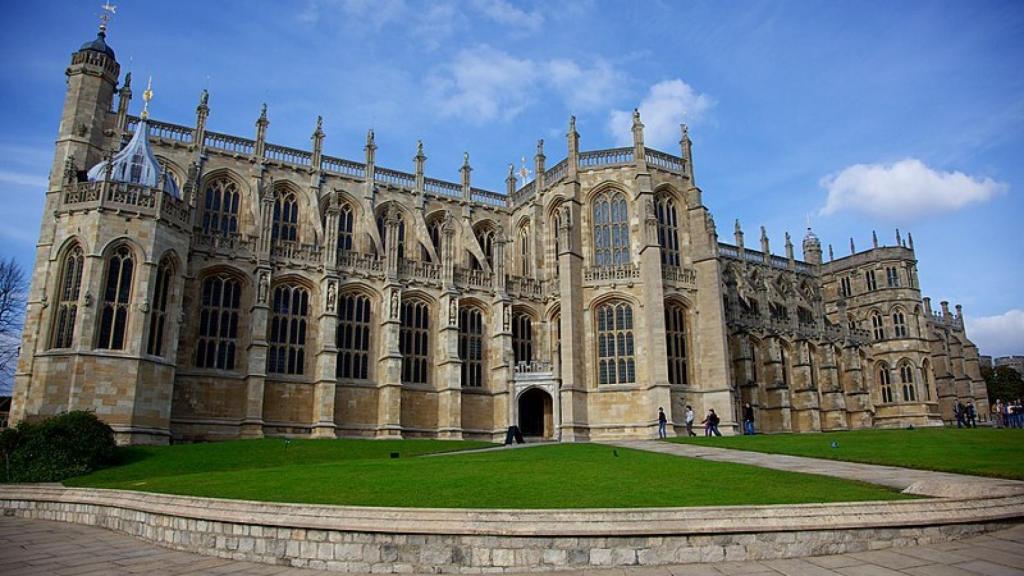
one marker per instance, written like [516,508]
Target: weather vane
[524,172]
[146,97]
[108,11]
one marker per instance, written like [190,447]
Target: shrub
[60,447]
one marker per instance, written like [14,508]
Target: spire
[738,234]
[874,239]
[318,143]
[261,131]
[764,243]
[465,171]
[370,148]
[853,250]
[638,136]
[572,161]
[789,247]
[510,180]
[146,97]
[910,240]
[899,240]
[686,151]
[538,166]
[831,256]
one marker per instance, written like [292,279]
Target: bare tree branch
[13,292]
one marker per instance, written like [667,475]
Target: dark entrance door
[535,413]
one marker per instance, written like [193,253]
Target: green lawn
[355,472]
[978,451]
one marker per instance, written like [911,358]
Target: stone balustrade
[419,271]
[309,254]
[524,287]
[126,197]
[359,264]
[469,278]
[609,157]
[621,273]
[679,277]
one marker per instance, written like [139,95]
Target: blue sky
[860,115]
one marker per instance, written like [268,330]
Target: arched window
[812,367]
[471,346]
[286,217]
[414,341]
[220,208]
[926,379]
[288,313]
[63,332]
[899,324]
[484,236]
[556,224]
[158,314]
[907,380]
[611,230]
[117,293]
[345,227]
[219,307]
[877,326]
[353,337]
[522,338]
[523,241]
[383,229]
[615,354]
[668,230]
[434,228]
[675,342]
[885,382]
[784,361]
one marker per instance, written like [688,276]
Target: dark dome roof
[99,45]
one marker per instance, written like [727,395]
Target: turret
[812,247]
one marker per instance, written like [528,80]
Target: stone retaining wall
[481,541]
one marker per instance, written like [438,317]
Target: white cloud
[24,179]
[1000,335]
[505,13]
[483,84]
[667,104]
[904,190]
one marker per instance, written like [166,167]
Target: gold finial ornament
[146,97]
[108,11]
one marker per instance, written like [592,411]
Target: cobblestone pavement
[925,482]
[37,548]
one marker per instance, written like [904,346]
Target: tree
[1003,383]
[13,291]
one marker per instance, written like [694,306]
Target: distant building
[191,284]
[1013,362]
[985,361]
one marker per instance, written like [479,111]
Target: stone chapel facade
[196,285]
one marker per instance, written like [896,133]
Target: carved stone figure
[264,288]
[395,298]
[453,312]
[332,296]
[507,318]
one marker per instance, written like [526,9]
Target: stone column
[326,361]
[858,399]
[256,372]
[833,402]
[449,368]
[574,424]
[389,381]
[653,351]
[804,396]
[775,408]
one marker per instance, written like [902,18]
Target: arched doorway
[536,414]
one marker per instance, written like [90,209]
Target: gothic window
[219,307]
[117,292]
[67,299]
[435,237]
[485,236]
[158,314]
[885,382]
[345,228]
[926,375]
[877,326]
[471,346]
[286,217]
[383,229]
[804,315]
[353,337]
[851,322]
[136,167]
[556,223]
[907,380]
[615,354]
[522,338]
[611,230]
[784,365]
[892,277]
[668,231]
[220,208]
[675,342]
[899,324]
[414,341]
[523,240]
[288,313]
[844,287]
[869,279]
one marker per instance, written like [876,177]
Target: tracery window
[522,338]
[68,290]
[353,337]
[414,341]
[611,229]
[523,240]
[869,279]
[485,237]
[471,346]
[907,380]
[668,230]
[434,228]
[784,362]
[288,313]
[219,307]
[117,292]
[892,277]
[675,342]
[345,227]
[286,217]
[220,208]
[899,324]
[885,382]
[878,326]
[615,353]
[383,229]
[158,315]
[844,286]
[135,169]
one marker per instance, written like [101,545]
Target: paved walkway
[37,548]
[922,482]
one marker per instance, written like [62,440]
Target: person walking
[662,423]
[958,412]
[711,423]
[748,419]
[997,413]
[972,416]
[689,421]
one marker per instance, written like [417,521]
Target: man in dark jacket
[748,419]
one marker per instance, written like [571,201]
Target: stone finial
[874,239]
[899,239]
[853,249]
[465,160]
[419,150]
[319,125]
[959,311]
[910,240]
[263,113]
[204,97]
[831,256]
[684,133]
[128,82]
[540,147]
[370,143]
[572,125]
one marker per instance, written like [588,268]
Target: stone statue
[507,318]
[394,303]
[331,296]
[264,288]
[453,312]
